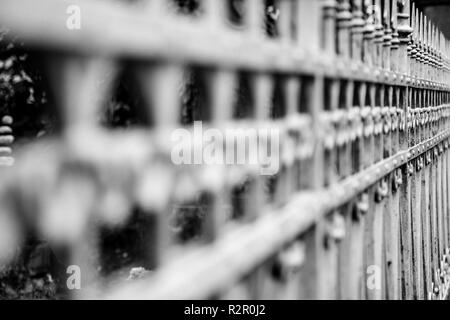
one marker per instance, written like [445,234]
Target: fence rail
[359,91]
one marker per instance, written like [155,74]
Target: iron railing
[359,209]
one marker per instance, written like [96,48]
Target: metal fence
[359,91]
